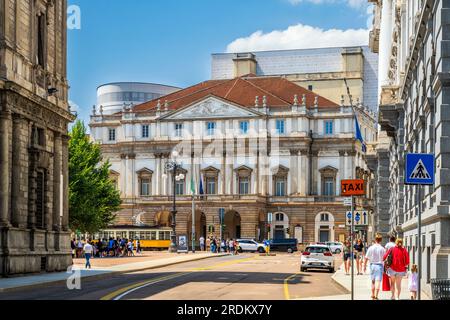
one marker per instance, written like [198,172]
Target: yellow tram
[150,238]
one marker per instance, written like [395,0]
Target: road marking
[119,294]
[224,264]
[286,286]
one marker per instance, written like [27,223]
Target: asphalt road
[242,277]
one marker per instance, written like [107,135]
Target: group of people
[104,248]
[392,263]
[219,245]
[357,252]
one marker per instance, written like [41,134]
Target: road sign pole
[351,246]
[419,245]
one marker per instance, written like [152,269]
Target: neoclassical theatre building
[259,145]
[34,115]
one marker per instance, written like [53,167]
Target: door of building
[324,236]
[279,233]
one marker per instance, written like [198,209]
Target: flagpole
[193,223]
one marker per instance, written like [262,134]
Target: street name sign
[352,188]
[420,169]
[348,202]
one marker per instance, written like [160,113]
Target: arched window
[324,217]
[279,217]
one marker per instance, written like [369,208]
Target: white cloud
[355,4]
[300,37]
[73,106]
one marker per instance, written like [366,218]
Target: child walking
[413,282]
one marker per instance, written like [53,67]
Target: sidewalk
[363,285]
[109,267]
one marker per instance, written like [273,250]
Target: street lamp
[173,166]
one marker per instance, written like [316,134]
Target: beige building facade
[34,117]
[259,145]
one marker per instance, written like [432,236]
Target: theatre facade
[256,145]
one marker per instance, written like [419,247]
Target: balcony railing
[270,199]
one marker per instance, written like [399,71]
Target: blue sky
[170,41]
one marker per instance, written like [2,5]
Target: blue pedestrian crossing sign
[420,169]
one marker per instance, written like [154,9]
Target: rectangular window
[328,127]
[243,126]
[40,200]
[179,188]
[310,88]
[210,185]
[211,128]
[112,135]
[328,187]
[280,125]
[145,131]
[178,129]
[244,185]
[280,187]
[145,187]
[41,30]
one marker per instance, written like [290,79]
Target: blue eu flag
[359,135]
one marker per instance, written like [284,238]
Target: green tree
[93,198]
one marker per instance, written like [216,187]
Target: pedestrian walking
[391,243]
[130,248]
[223,245]
[138,247]
[202,243]
[88,250]
[80,246]
[359,255]
[397,263]
[231,246]
[375,255]
[73,246]
[413,281]
[236,247]
[208,244]
[347,252]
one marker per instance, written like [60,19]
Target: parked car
[250,245]
[284,245]
[317,257]
[336,247]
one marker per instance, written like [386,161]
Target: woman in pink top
[398,268]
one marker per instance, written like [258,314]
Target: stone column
[5,122]
[57,155]
[18,200]
[299,172]
[293,181]
[65,182]
[158,175]
[385,42]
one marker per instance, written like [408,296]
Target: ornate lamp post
[173,166]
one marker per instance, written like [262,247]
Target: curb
[341,285]
[103,275]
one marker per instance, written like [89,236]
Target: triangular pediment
[211,107]
[145,171]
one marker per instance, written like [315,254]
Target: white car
[251,246]
[336,247]
[317,257]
